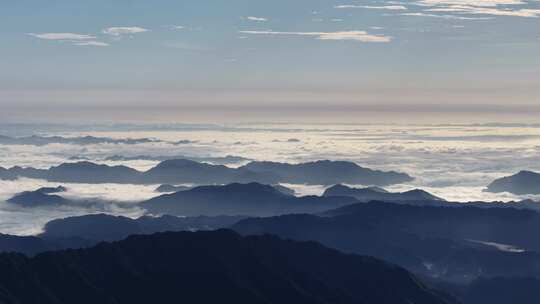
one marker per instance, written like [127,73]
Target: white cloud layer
[258,19]
[62,36]
[509,8]
[74,39]
[91,43]
[384,7]
[361,36]
[528,13]
[124,30]
[454,17]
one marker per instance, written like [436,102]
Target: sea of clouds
[455,162]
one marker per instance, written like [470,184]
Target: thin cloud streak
[124,30]
[361,36]
[62,36]
[383,7]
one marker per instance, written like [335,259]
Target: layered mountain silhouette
[327,172]
[379,194]
[451,243]
[102,227]
[524,182]
[207,267]
[29,245]
[171,189]
[186,171]
[251,199]
[40,197]
[88,230]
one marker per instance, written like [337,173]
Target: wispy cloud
[510,8]
[383,7]
[74,39]
[481,3]
[464,9]
[62,36]
[444,16]
[258,19]
[124,30]
[361,36]
[90,43]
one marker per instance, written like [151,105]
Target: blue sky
[199,56]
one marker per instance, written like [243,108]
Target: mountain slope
[181,171]
[103,227]
[239,199]
[377,194]
[327,172]
[452,243]
[206,267]
[524,182]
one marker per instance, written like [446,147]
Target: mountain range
[379,194]
[187,171]
[207,267]
[88,230]
[251,199]
[450,243]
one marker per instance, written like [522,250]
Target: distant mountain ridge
[186,171]
[207,267]
[378,194]
[216,160]
[327,172]
[524,182]
[251,199]
[40,197]
[102,227]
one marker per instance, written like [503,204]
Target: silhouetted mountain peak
[252,199]
[375,193]
[37,198]
[524,182]
[182,164]
[238,188]
[50,190]
[328,172]
[86,165]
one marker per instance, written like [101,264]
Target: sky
[123,60]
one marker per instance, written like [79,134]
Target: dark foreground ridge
[207,267]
